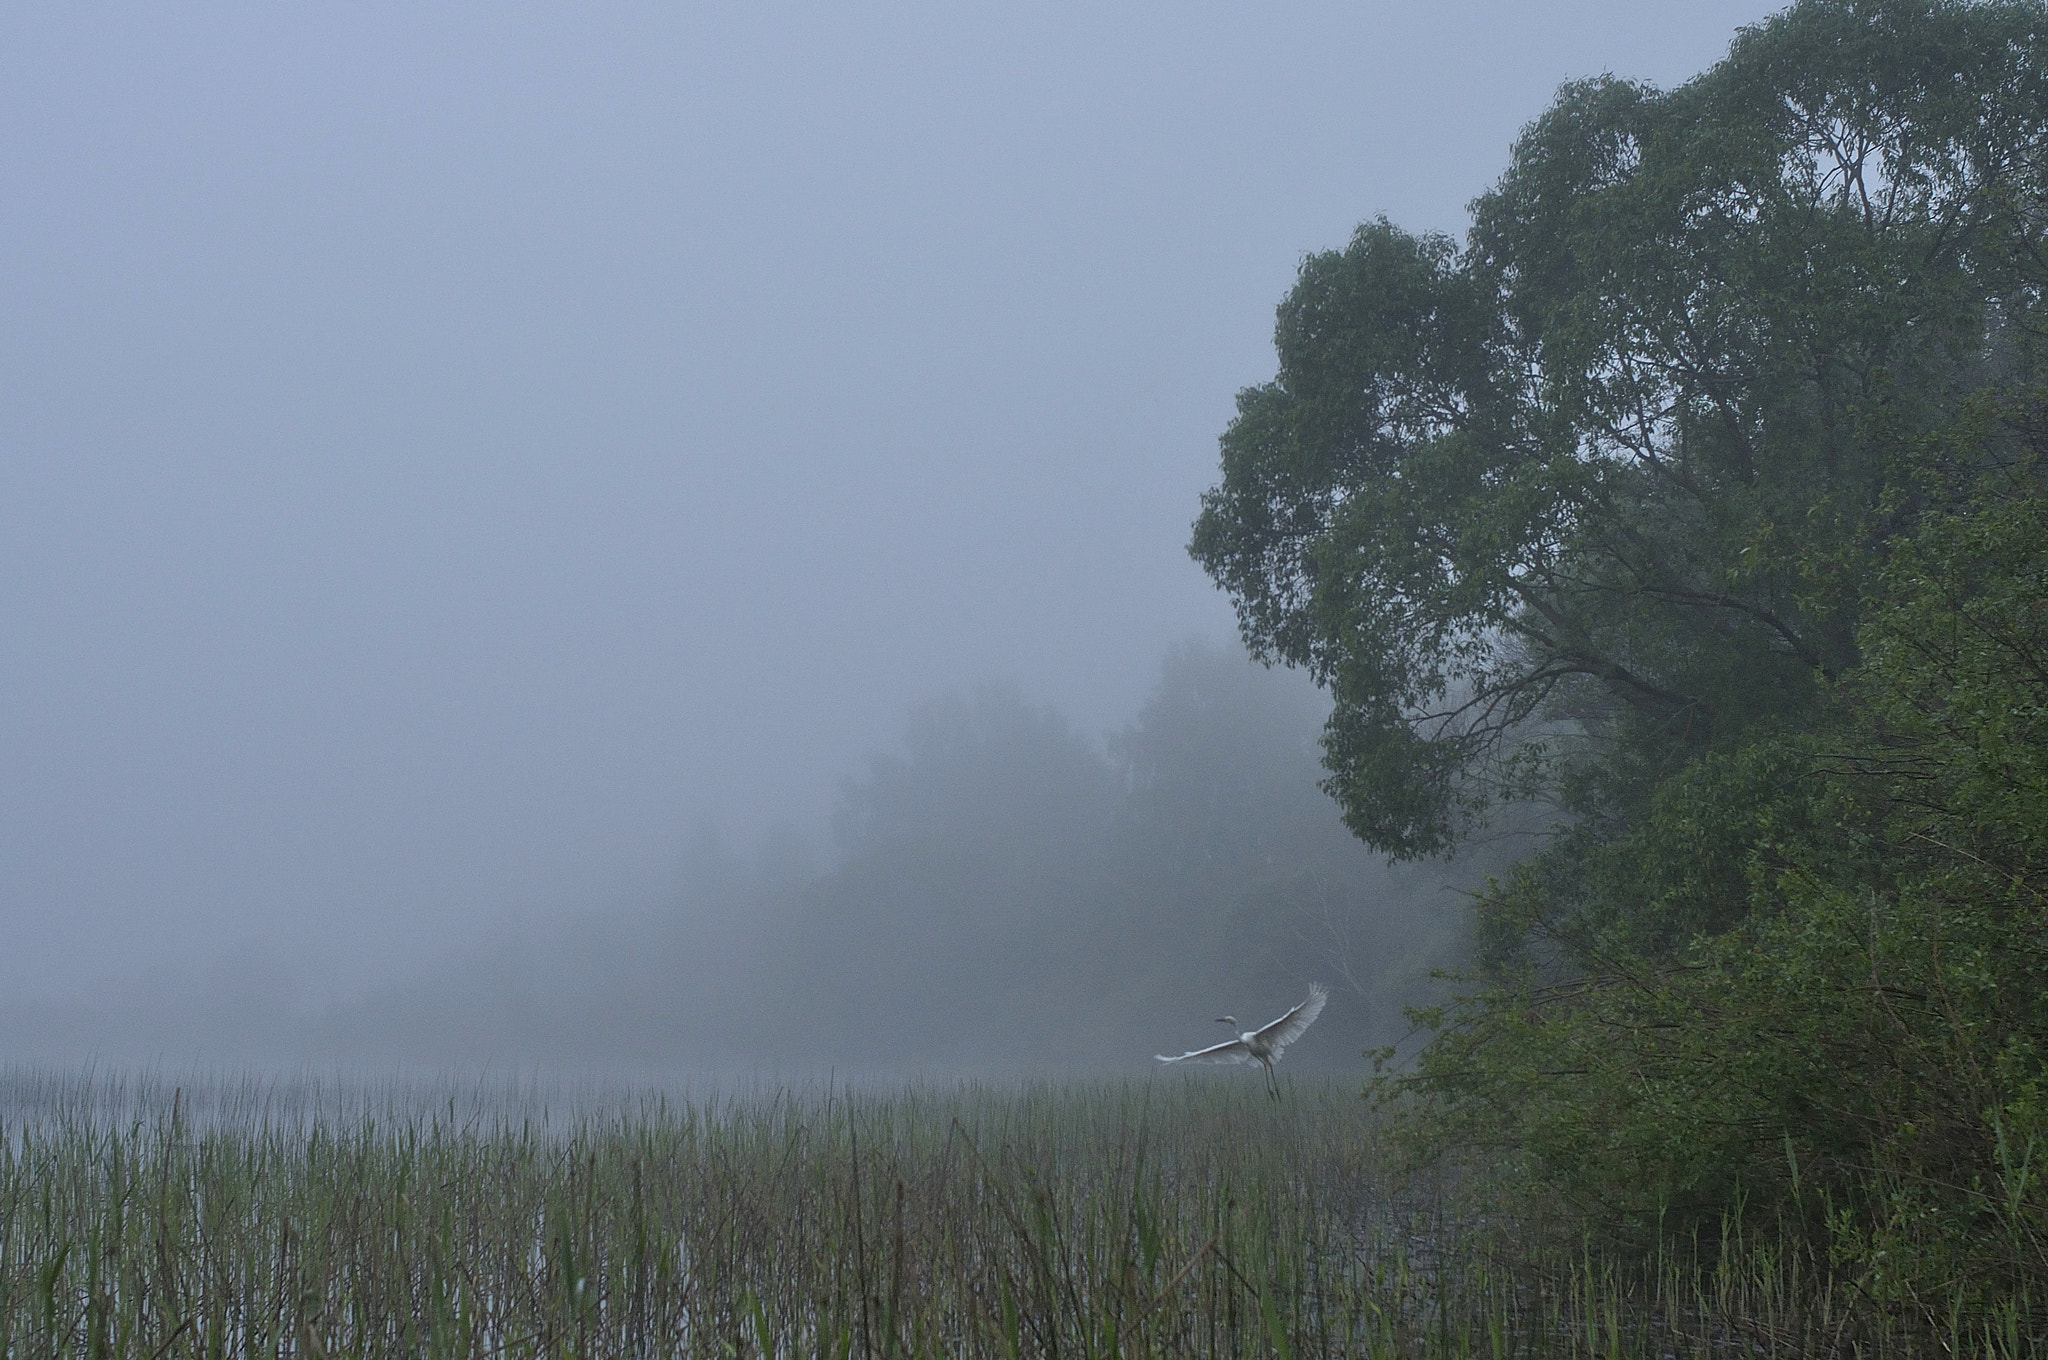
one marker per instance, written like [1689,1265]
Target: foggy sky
[449,450]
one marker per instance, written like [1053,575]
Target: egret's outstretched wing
[1230,1050]
[1295,1023]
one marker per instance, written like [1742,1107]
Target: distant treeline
[1004,891]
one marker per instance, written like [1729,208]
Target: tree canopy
[1626,457]
[1697,496]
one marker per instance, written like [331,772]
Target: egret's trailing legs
[1264,1045]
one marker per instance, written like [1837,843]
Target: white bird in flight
[1264,1045]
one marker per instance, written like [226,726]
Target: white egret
[1264,1045]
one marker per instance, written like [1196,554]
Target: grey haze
[452,451]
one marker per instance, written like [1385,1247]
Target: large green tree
[1698,496]
[1620,463]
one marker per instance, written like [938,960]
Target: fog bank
[1003,893]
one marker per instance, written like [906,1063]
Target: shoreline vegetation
[1695,501]
[160,1218]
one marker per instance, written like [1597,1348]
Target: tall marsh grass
[1187,1218]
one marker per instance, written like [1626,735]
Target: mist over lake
[453,456]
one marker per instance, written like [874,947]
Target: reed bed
[236,1217]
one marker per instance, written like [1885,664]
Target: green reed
[1178,1217]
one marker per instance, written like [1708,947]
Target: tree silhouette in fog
[1005,890]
